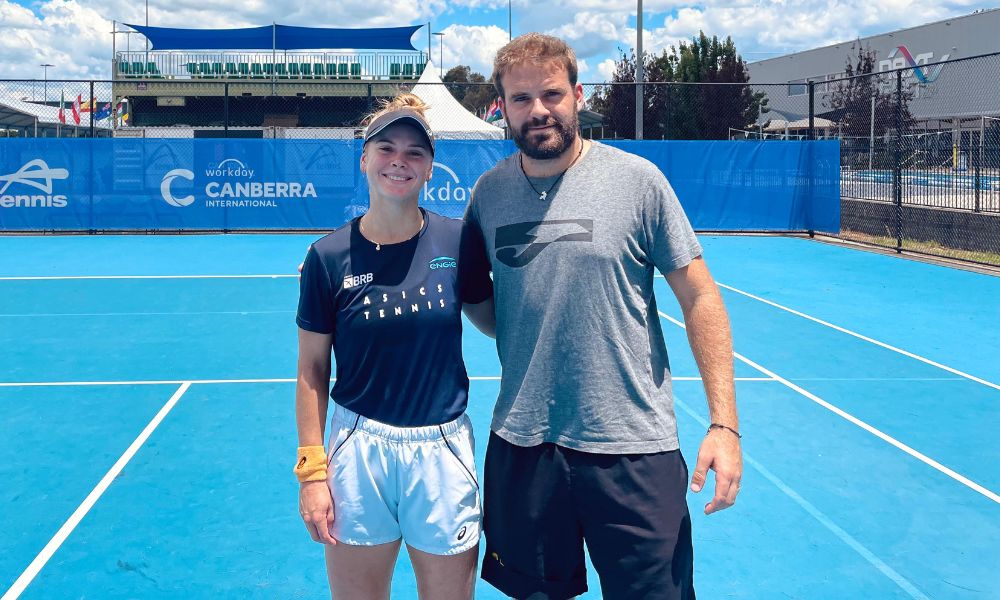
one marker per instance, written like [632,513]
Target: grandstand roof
[279,37]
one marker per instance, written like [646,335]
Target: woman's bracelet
[311,464]
[721,426]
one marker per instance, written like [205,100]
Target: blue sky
[75,34]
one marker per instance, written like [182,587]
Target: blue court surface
[146,411]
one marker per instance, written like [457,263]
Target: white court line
[43,557]
[867,339]
[224,381]
[817,514]
[870,429]
[84,277]
[149,314]
[860,336]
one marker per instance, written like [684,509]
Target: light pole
[510,26]
[147,37]
[440,35]
[45,76]
[639,103]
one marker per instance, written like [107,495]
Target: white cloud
[74,34]
[474,46]
[606,69]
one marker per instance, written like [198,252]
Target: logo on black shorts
[519,244]
[461,533]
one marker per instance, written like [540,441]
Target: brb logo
[451,192]
[36,174]
[900,58]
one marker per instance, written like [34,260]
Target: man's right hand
[316,508]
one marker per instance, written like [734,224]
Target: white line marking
[174,382]
[281,380]
[817,514]
[85,277]
[151,314]
[866,338]
[870,429]
[43,557]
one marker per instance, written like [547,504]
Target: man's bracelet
[311,464]
[721,426]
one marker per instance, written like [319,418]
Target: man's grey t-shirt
[578,334]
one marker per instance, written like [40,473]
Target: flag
[494,114]
[121,112]
[490,109]
[103,112]
[76,109]
[89,105]
[62,108]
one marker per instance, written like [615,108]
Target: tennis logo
[36,174]
[168,180]
[231,192]
[443,262]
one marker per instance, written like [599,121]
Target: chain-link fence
[920,158]
[920,147]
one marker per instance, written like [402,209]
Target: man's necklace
[378,246]
[545,194]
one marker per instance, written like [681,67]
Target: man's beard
[556,141]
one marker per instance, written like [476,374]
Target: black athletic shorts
[542,502]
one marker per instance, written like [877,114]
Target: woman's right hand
[316,508]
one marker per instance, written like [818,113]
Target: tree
[470,88]
[676,109]
[851,98]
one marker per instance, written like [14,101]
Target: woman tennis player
[386,293]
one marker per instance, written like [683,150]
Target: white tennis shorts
[417,483]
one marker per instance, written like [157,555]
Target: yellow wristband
[311,464]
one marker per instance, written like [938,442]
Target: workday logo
[451,191]
[168,180]
[37,174]
[230,186]
[442,262]
[900,58]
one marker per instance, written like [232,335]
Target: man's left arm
[712,344]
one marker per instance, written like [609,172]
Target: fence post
[370,98]
[225,110]
[812,110]
[979,164]
[93,108]
[897,170]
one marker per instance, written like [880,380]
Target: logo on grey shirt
[518,244]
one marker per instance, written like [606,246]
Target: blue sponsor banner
[203,184]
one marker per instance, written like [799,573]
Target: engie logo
[235,194]
[443,262]
[900,58]
[451,191]
[36,174]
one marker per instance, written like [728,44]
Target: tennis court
[146,409]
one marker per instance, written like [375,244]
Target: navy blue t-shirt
[396,318]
